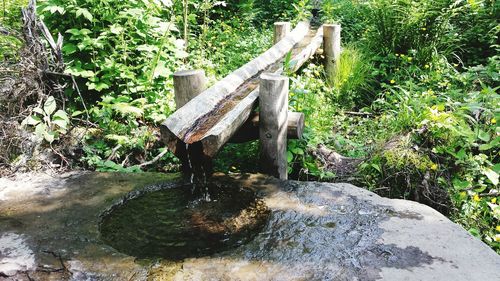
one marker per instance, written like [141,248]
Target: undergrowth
[414,95]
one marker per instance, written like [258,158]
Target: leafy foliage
[229,45]
[11,20]
[414,94]
[428,104]
[48,123]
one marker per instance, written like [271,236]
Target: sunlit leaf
[484,136]
[127,109]
[40,130]
[50,105]
[61,123]
[85,13]
[32,120]
[492,175]
[69,49]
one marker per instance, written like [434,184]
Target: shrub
[352,15]
[228,46]
[352,80]
[451,118]
[10,44]
[122,54]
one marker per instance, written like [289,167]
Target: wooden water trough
[208,119]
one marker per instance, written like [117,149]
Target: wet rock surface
[49,230]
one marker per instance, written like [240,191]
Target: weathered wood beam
[218,135]
[298,61]
[192,122]
[273,104]
[296,124]
[227,127]
[249,131]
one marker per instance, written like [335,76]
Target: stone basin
[49,230]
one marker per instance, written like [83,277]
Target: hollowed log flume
[214,116]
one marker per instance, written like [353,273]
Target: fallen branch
[359,113]
[334,162]
[490,194]
[113,152]
[154,160]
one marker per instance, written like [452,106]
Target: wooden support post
[331,47]
[281,30]
[273,100]
[187,85]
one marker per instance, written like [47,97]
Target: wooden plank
[296,124]
[190,123]
[298,61]
[226,128]
[273,103]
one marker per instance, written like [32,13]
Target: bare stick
[154,160]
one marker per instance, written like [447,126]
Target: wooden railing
[209,118]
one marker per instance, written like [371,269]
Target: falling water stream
[197,174]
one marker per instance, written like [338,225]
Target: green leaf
[475,232]
[289,156]
[484,147]
[32,120]
[49,106]
[484,136]
[161,70]
[298,151]
[119,139]
[77,113]
[461,154]
[116,29]
[54,9]
[77,71]
[38,110]
[147,48]
[49,136]
[74,31]
[69,49]
[61,114]
[132,169]
[459,185]
[61,123]
[85,13]
[127,109]
[377,167]
[98,86]
[492,175]
[496,168]
[40,130]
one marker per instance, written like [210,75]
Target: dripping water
[190,169]
[196,170]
